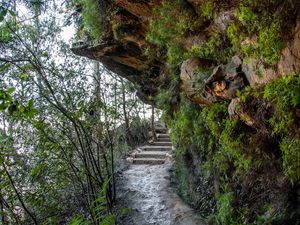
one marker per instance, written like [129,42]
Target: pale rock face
[235,110]
[189,82]
[124,55]
[222,21]
[289,61]
[129,159]
[205,89]
[256,73]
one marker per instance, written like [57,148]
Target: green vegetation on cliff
[92,20]
[231,154]
[255,31]
[237,159]
[241,146]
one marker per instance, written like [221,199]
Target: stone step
[157,148]
[151,154]
[161,143]
[163,136]
[151,161]
[163,140]
[161,130]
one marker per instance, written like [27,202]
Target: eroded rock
[140,9]
[289,60]
[206,87]
[194,40]
[256,73]
[124,43]
[221,22]
[236,111]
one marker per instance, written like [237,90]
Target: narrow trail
[145,190]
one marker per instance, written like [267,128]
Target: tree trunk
[19,196]
[126,119]
[153,125]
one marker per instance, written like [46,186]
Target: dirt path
[146,191]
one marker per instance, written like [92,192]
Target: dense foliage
[237,160]
[65,123]
[257,30]
[91,21]
[231,155]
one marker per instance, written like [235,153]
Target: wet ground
[145,190]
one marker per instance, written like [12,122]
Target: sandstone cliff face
[122,49]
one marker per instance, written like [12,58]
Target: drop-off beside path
[145,189]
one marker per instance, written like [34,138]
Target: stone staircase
[156,152]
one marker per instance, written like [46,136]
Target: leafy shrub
[181,126]
[270,42]
[169,33]
[215,49]
[139,130]
[93,21]
[163,99]
[263,25]
[285,93]
[215,117]
[290,148]
[270,215]
[234,34]
[224,215]
[247,17]
[206,10]
[164,28]
[232,141]
[233,144]
[175,54]
[101,214]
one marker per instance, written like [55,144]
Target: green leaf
[23,76]
[12,108]
[77,221]
[12,13]
[30,103]
[45,54]
[3,14]
[10,90]
[3,106]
